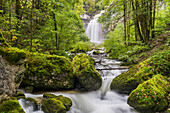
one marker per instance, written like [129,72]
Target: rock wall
[10,77]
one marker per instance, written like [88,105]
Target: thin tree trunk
[55,28]
[17,6]
[10,21]
[31,24]
[125,35]
[153,24]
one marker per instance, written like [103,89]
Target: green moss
[19,95]
[47,95]
[150,96]
[85,72]
[65,100]
[11,106]
[41,64]
[13,55]
[48,72]
[52,105]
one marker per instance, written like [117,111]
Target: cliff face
[10,77]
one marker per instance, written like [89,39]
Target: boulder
[52,105]
[65,100]
[11,71]
[87,76]
[19,95]
[11,106]
[129,80]
[48,72]
[150,96]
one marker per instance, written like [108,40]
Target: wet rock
[45,72]
[11,106]
[150,96]
[87,77]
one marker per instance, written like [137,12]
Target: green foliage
[150,96]
[81,47]
[11,106]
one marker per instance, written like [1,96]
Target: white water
[94,29]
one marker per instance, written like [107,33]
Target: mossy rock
[11,106]
[150,96]
[65,100]
[12,54]
[52,105]
[87,77]
[48,72]
[47,95]
[96,52]
[129,80]
[19,95]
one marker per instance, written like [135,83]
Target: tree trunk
[17,7]
[31,24]
[10,21]
[153,24]
[125,8]
[55,28]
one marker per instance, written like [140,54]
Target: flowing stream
[101,101]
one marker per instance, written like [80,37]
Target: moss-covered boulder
[129,80]
[87,77]
[19,95]
[48,72]
[150,96]
[65,100]
[52,105]
[11,106]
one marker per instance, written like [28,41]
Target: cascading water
[94,29]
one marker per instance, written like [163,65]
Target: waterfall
[94,29]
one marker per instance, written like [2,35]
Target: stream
[101,101]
